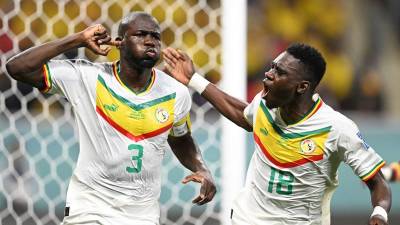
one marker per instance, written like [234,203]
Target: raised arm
[27,65]
[180,66]
[380,198]
[190,156]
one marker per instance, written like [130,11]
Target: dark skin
[139,44]
[287,87]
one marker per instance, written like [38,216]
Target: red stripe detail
[376,171]
[318,106]
[127,133]
[286,164]
[46,81]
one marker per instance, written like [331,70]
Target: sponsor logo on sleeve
[366,146]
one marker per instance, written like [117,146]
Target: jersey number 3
[284,185]
[136,159]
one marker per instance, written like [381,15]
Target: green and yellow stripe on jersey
[288,149]
[46,78]
[373,171]
[135,121]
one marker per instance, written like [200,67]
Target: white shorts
[88,206]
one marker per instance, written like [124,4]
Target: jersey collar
[144,90]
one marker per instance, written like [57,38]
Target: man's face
[282,80]
[141,42]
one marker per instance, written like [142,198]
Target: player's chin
[149,62]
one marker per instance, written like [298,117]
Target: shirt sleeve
[182,124]
[356,153]
[250,110]
[65,77]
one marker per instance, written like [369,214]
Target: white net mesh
[38,138]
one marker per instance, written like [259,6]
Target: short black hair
[313,61]
[123,25]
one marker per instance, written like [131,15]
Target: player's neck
[297,110]
[133,77]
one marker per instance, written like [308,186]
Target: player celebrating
[300,142]
[127,113]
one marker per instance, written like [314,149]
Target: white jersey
[293,171]
[122,134]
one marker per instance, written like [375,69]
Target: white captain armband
[198,83]
[378,210]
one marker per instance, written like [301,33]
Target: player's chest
[285,147]
[136,119]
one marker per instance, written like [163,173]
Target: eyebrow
[278,67]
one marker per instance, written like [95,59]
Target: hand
[178,65]
[377,220]
[95,36]
[207,189]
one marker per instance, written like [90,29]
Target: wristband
[198,83]
[378,210]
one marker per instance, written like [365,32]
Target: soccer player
[300,142]
[127,113]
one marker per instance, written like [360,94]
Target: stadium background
[38,145]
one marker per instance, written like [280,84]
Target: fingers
[207,189]
[172,53]
[114,43]
[99,29]
[100,51]
[103,38]
[183,55]
[170,56]
[191,177]
[170,62]
[207,193]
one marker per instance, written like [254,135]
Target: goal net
[38,137]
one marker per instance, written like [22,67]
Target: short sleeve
[356,153]
[66,77]
[182,124]
[251,109]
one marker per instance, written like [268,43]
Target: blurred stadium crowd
[350,34]
[354,36]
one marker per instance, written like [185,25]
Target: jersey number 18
[284,185]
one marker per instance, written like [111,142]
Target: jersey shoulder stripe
[373,171]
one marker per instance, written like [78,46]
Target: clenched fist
[95,36]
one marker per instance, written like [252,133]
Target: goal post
[234,82]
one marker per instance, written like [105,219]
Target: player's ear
[303,86]
[118,39]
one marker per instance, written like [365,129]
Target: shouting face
[284,81]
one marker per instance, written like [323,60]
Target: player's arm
[180,66]
[381,199]
[190,156]
[27,65]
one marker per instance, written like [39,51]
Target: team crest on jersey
[307,146]
[162,115]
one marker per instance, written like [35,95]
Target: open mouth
[266,90]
